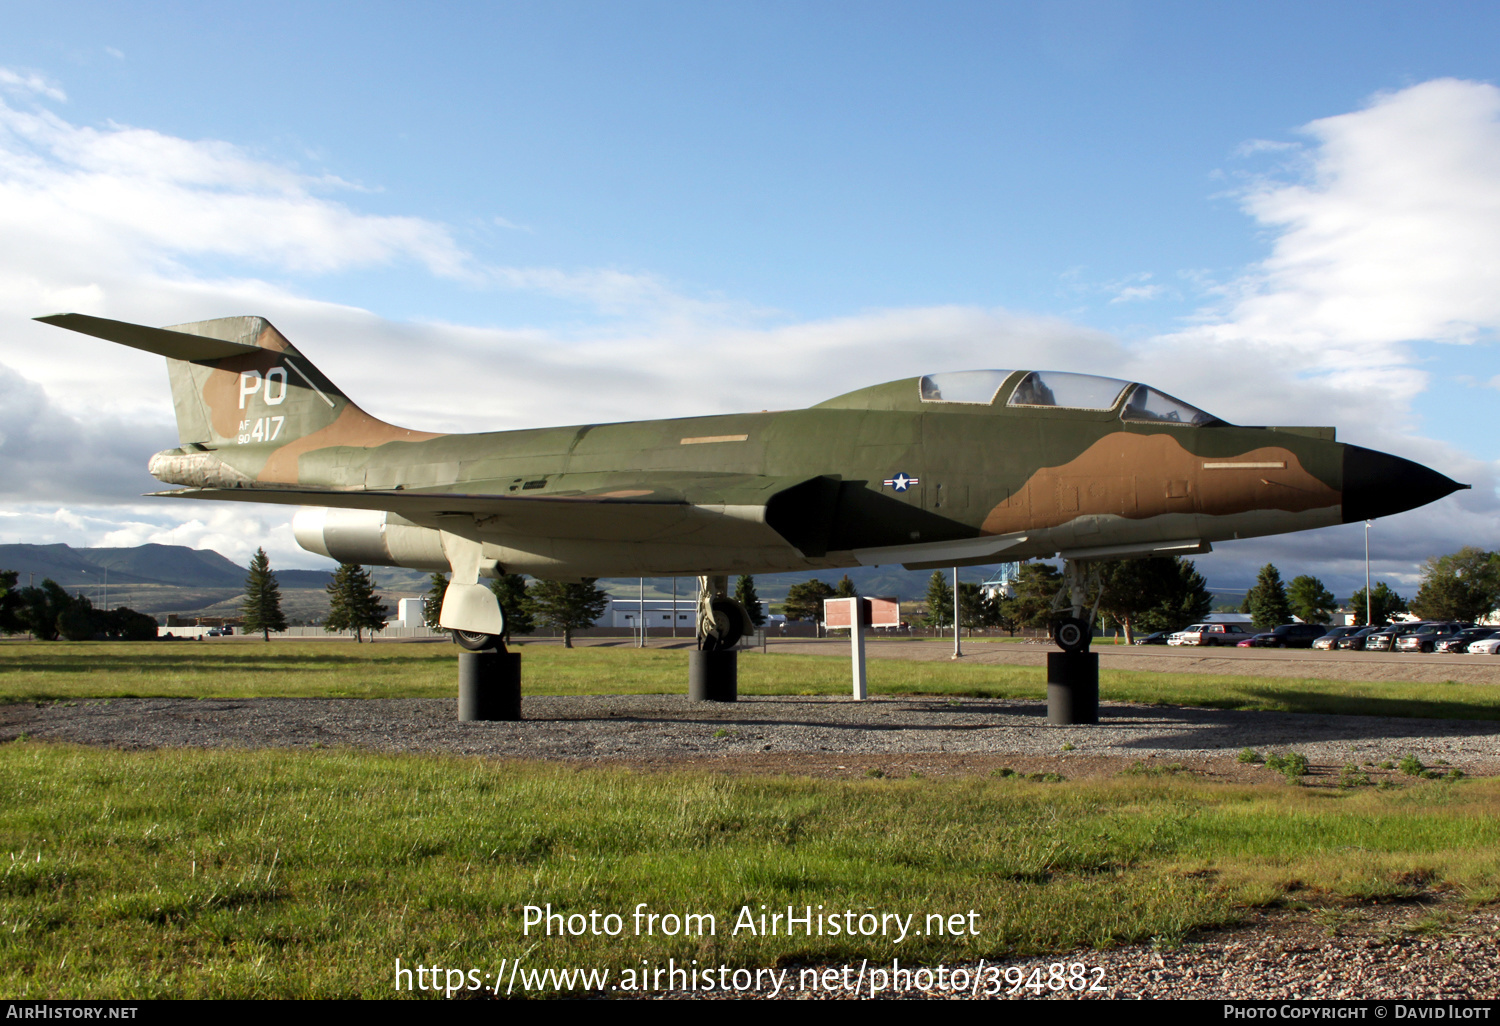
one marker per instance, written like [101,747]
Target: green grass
[227,873]
[64,672]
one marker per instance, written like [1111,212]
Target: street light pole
[1368,623]
[957,651]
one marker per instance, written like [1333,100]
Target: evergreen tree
[515,603]
[744,594]
[845,588]
[1032,594]
[939,601]
[432,602]
[1311,602]
[568,607]
[262,606]
[974,609]
[1191,601]
[1384,603]
[1267,600]
[352,602]
[804,601]
[10,603]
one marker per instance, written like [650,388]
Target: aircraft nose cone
[1377,484]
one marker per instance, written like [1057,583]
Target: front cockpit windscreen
[1147,405]
[1070,391]
[977,386]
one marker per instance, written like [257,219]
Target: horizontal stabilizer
[174,345]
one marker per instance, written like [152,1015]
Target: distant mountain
[159,579]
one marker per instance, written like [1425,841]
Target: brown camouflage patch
[353,427]
[1136,476]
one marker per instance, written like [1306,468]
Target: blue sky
[1279,212]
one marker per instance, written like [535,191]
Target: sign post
[857,614]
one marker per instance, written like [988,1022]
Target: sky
[481,216]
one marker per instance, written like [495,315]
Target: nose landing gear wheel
[1072,634]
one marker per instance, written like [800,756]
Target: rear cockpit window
[977,387]
[1147,405]
[1070,391]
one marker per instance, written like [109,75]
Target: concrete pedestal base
[489,685]
[713,676]
[1072,688]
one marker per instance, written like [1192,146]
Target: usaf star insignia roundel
[901,482]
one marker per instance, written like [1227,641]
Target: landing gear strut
[722,621]
[1073,673]
[1074,632]
[713,674]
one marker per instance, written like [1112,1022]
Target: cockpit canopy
[1141,403]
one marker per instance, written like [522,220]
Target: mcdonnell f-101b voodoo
[948,469]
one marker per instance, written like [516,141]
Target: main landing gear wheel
[473,641]
[726,631]
[1072,634]
[477,641]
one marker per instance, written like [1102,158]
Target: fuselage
[882,475]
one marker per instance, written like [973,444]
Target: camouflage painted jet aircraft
[949,469]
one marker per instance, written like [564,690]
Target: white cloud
[29,83]
[1390,236]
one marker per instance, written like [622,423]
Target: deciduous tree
[1310,601]
[804,601]
[1384,603]
[1464,585]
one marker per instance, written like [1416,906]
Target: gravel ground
[1438,949]
[763,734]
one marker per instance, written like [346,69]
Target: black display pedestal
[1072,688]
[713,676]
[489,685]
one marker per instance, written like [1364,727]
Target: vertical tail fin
[242,392]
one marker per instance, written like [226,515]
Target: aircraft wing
[638,508]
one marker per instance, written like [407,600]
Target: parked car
[1210,634]
[1158,638]
[1329,641]
[1380,641]
[1288,635]
[1356,641]
[1461,641]
[1425,635]
[1486,646]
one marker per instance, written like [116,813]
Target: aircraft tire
[727,619]
[473,641]
[1071,634]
